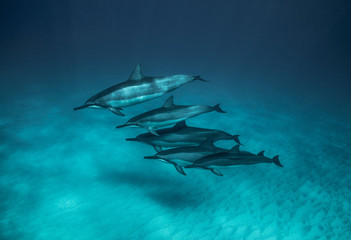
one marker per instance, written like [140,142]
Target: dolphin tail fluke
[236,139]
[179,169]
[218,109]
[198,77]
[215,171]
[276,161]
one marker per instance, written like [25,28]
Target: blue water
[280,70]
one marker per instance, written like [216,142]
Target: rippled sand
[71,175]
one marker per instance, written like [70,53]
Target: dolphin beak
[128,125]
[122,126]
[81,107]
[132,139]
[151,157]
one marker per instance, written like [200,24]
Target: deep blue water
[280,70]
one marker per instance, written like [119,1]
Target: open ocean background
[281,70]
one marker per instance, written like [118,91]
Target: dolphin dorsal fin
[169,102]
[137,74]
[208,143]
[260,153]
[235,148]
[181,124]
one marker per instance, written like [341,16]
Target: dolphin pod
[188,147]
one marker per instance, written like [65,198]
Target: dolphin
[137,89]
[232,158]
[168,114]
[184,156]
[182,135]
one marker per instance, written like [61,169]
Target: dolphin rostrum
[184,156]
[137,89]
[232,158]
[181,135]
[168,114]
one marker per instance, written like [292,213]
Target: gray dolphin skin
[232,158]
[137,89]
[181,135]
[184,156]
[168,114]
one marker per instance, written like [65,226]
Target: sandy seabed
[71,175]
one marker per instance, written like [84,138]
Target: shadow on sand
[168,190]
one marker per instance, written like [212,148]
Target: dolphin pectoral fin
[215,171]
[179,169]
[157,148]
[116,111]
[153,131]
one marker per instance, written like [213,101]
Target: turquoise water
[70,175]
[281,71]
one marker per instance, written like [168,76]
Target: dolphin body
[181,135]
[137,89]
[232,158]
[168,114]
[184,156]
